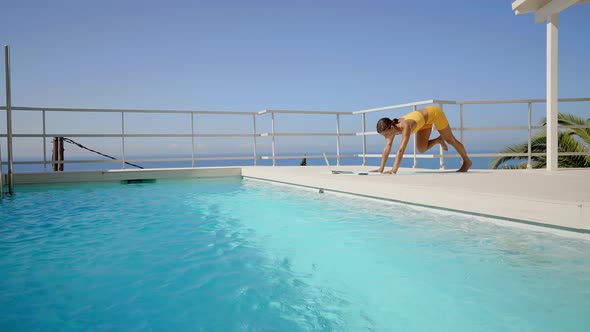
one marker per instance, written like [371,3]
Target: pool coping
[503,221]
[474,195]
[126,174]
[510,196]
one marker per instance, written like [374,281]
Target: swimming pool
[242,255]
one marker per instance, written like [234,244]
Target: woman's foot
[466,166]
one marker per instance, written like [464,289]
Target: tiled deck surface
[560,199]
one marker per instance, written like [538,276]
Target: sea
[314,160]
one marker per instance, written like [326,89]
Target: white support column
[552,51]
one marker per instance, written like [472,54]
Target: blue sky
[255,55]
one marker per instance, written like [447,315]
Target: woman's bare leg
[438,140]
[448,136]
[424,144]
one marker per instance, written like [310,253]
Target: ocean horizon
[427,163]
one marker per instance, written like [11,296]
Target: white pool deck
[557,200]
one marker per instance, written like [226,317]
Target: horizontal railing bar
[130,135]
[34,162]
[423,156]
[480,155]
[516,101]
[308,156]
[270,134]
[190,159]
[450,102]
[308,134]
[369,133]
[392,107]
[573,153]
[515,154]
[225,135]
[466,102]
[490,155]
[228,158]
[50,135]
[104,161]
[573,127]
[190,135]
[113,110]
[498,128]
[431,101]
[302,112]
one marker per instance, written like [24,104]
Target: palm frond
[538,145]
[566,143]
[566,119]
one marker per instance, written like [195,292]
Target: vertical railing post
[461,118]
[338,139]
[9,121]
[272,122]
[44,145]
[529,151]
[415,147]
[255,152]
[440,149]
[193,137]
[364,140]
[123,138]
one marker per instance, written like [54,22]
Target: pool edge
[507,221]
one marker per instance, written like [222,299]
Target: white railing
[337,134]
[274,156]
[530,127]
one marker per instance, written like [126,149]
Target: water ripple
[234,255]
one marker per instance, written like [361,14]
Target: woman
[419,122]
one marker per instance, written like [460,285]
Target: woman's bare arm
[385,154]
[406,132]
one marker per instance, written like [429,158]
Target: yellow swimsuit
[435,115]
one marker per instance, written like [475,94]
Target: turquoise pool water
[241,255]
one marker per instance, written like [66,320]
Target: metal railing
[529,127]
[274,134]
[123,135]
[274,156]
[193,135]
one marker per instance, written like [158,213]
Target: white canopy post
[548,10]
[552,107]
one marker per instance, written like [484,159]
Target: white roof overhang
[543,8]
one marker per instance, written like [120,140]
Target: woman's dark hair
[385,123]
